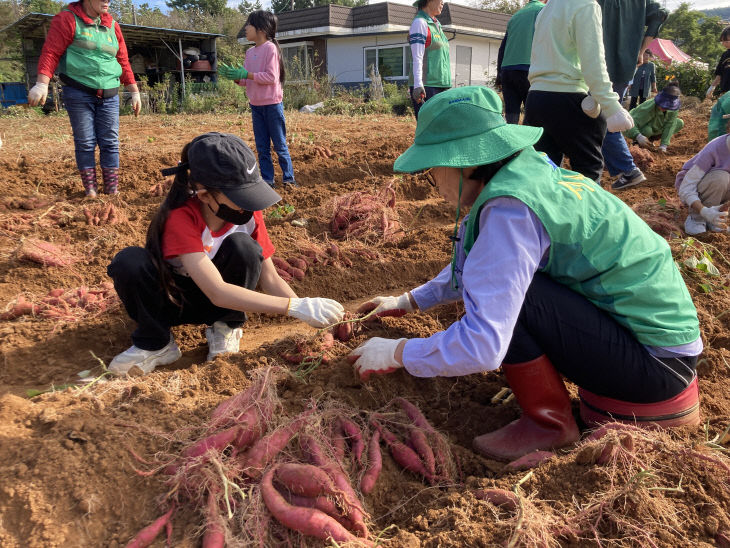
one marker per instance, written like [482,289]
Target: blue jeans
[93,121]
[616,155]
[269,127]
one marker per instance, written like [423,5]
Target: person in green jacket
[718,125]
[657,119]
[558,277]
[513,59]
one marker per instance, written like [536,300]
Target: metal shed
[152,51]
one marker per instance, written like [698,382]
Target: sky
[669,4]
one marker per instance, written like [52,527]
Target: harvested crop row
[64,304]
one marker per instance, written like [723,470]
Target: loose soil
[67,477]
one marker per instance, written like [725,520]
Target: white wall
[345,56]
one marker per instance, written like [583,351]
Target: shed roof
[32,26]
[339,20]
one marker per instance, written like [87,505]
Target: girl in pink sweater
[263,76]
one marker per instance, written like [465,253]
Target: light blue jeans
[93,121]
[269,127]
[616,155]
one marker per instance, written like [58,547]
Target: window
[390,62]
[298,60]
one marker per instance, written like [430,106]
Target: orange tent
[667,51]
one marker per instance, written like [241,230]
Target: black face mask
[231,215]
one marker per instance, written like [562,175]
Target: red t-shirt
[186,232]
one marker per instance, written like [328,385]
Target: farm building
[347,42]
[153,52]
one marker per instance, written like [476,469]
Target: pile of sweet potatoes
[67,305]
[369,217]
[45,253]
[295,267]
[257,476]
[105,214]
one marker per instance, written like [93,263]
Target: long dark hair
[485,172]
[266,22]
[180,192]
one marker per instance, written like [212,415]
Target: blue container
[13,93]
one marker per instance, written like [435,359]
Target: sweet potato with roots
[375,464]
[308,521]
[498,497]
[304,479]
[264,450]
[148,535]
[324,504]
[353,435]
[402,454]
[214,536]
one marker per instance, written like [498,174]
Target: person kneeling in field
[657,119]
[703,185]
[557,276]
[207,249]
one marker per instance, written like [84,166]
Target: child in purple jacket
[263,75]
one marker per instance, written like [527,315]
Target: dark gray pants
[137,282]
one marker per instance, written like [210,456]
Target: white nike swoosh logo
[250,171]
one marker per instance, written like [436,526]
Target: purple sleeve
[511,246]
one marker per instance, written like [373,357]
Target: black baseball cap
[222,161]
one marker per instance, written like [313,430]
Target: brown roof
[385,13]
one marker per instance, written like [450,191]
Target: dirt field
[67,476]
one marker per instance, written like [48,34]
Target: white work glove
[663,149]
[715,217]
[136,102]
[709,93]
[38,94]
[419,95]
[375,356]
[383,304]
[621,121]
[316,311]
[643,141]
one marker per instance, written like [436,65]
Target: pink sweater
[263,62]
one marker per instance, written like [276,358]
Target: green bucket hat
[464,127]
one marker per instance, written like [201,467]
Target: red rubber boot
[546,421]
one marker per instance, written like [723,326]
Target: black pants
[430,92]
[515,86]
[640,99]
[137,282]
[567,130]
[590,348]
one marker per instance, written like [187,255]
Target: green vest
[91,59]
[436,60]
[520,29]
[718,125]
[599,248]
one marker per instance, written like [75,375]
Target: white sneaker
[135,361]
[222,339]
[694,225]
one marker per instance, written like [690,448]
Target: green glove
[232,73]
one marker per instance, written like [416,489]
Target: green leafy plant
[281,211]
[695,259]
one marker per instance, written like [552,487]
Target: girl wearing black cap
[207,249]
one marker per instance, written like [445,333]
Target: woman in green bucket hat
[557,276]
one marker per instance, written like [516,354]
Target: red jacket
[61,34]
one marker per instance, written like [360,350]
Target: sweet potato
[295,262]
[214,537]
[498,497]
[354,436]
[414,414]
[284,275]
[375,464]
[418,441]
[147,535]
[530,460]
[323,504]
[264,450]
[308,521]
[281,264]
[304,479]
[296,273]
[402,454]
[217,441]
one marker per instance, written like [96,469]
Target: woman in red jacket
[87,47]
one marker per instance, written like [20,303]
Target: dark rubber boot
[111,179]
[88,180]
[546,422]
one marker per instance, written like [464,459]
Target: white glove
[376,356]
[136,102]
[710,90]
[419,95]
[621,121]
[392,303]
[38,94]
[316,311]
[715,217]
[663,148]
[643,140]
